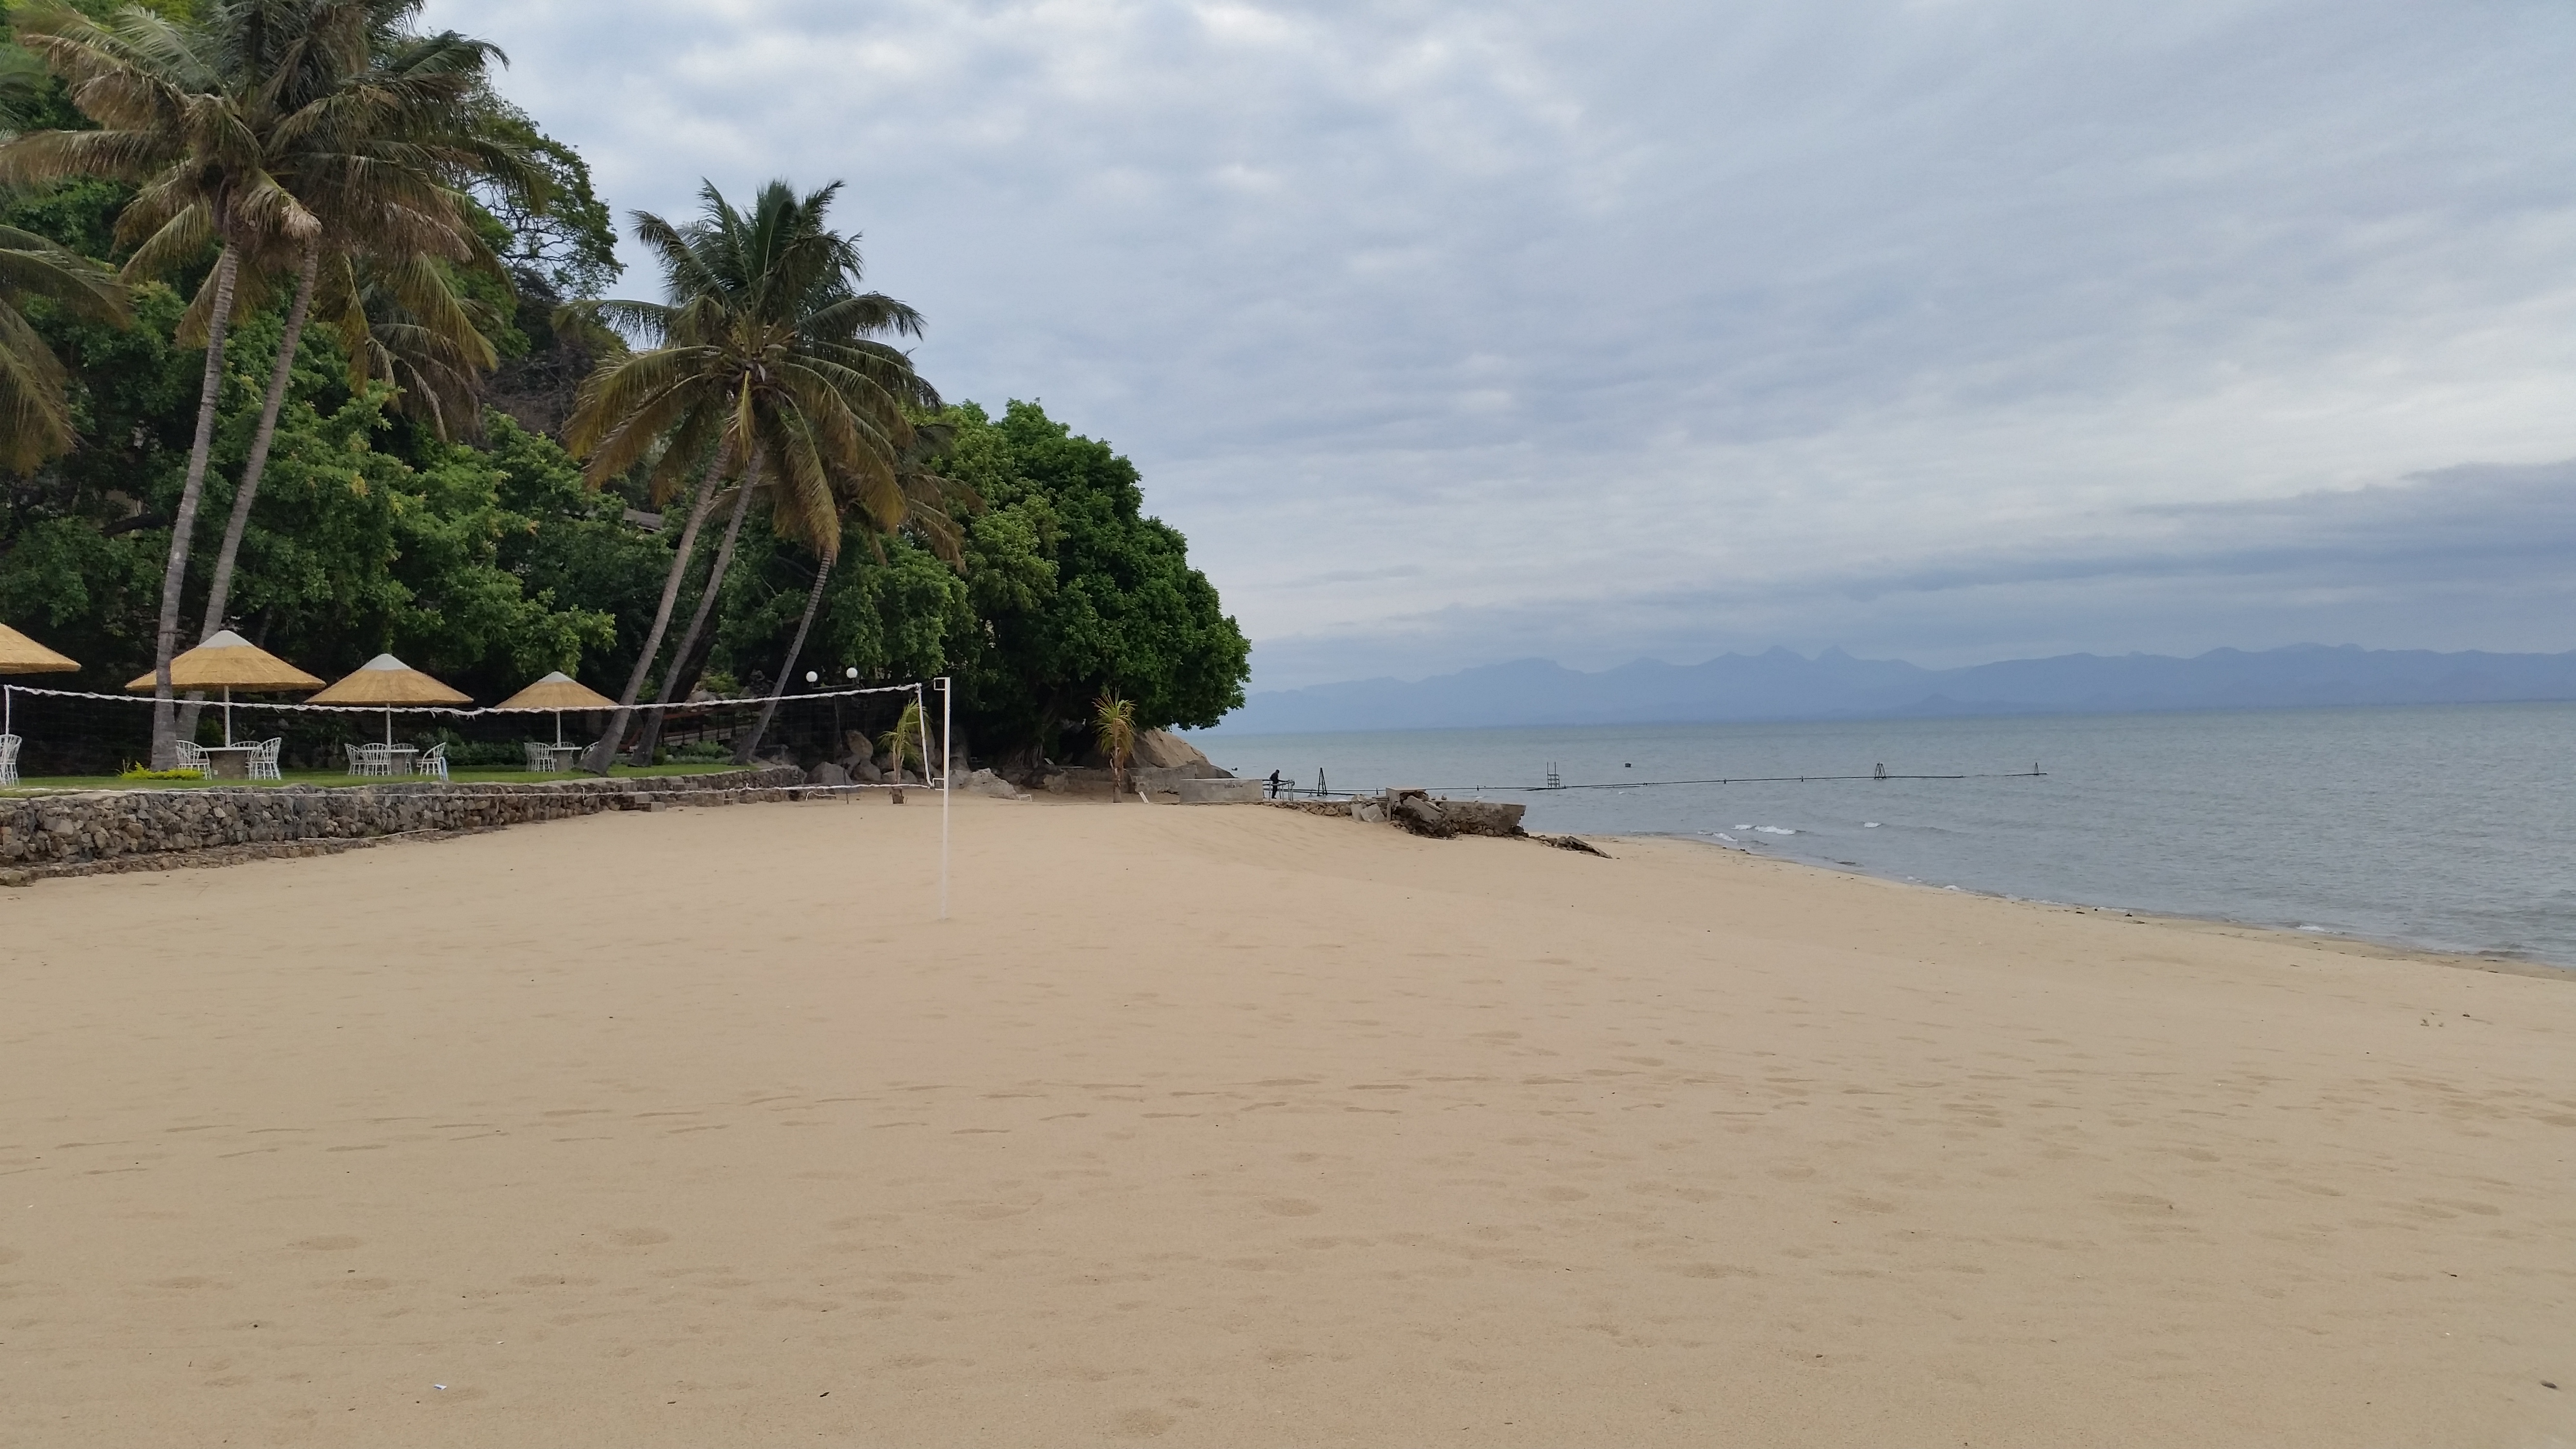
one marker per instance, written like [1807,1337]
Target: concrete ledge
[1459,817]
[40,835]
[1221,792]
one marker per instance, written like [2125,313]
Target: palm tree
[35,421]
[905,742]
[198,116]
[379,152]
[928,506]
[1113,725]
[767,364]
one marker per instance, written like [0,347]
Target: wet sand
[1235,1126]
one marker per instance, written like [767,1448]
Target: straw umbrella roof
[229,661]
[22,655]
[387,680]
[557,691]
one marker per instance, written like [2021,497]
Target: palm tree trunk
[219,593]
[707,600]
[699,506]
[678,681]
[749,744]
[183,524]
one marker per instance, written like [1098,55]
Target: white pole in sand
[947,768]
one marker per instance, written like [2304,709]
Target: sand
[1233,1126]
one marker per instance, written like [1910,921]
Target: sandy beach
[1234,1126]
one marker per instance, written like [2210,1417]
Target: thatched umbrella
[388,681]
[556,692]
[229,662]
[22,655]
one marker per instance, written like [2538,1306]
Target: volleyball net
[84,733]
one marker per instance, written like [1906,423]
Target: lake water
[2449,827]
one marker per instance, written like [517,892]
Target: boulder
[985,782]
[1164,750]
[865,771]
[827,773]
[1420,814]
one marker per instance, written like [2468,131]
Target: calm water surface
[2447,827]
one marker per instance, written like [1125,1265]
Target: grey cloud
[2459,558]
[1938,326]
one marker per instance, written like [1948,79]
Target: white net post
[947,781]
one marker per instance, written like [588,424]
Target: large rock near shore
[1164,750]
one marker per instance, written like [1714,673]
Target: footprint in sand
[1145,1423]
[1289,1207]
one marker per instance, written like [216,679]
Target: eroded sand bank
[1237,1126]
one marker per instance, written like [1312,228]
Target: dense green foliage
[490,560]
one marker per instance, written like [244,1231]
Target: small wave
[1771,830]
[1869,825]
[1729,839]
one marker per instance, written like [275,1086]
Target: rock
[1164,750]
[1417,813]
[985,782]
[1054,784]
[1368,812]
[1219,792]
[827,774]
[866,772]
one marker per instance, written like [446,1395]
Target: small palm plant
[1113,724]
[904,742]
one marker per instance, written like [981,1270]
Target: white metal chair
[432,761]
[357,765]
[192,756]
[371,759]
[9,759]
[263,759]
[541,757]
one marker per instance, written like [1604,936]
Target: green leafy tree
[1081,592]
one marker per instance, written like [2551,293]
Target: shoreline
[1226,1126]
[2288,935]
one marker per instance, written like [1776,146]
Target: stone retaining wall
[46,834]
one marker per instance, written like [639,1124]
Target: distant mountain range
[1783,684]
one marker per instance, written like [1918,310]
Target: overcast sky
[1948,330]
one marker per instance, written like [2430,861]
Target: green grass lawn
[336,779]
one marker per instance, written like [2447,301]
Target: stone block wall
[100,826]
